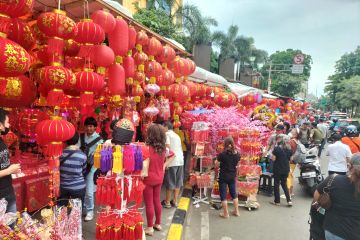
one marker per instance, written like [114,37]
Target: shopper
[6,169]
[352,139]
[324,130]
[228,160]
[342,220]
[281,157]
[72,168]
[339,154]
[316,135]
[279,129]
[156,140]
[295,139]
[174,174]
[305,133]
[88,143]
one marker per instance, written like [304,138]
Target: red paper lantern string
[89,33]
[88,82]
[105,19]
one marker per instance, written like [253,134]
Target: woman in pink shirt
[157,154]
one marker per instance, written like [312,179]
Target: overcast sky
[325,29]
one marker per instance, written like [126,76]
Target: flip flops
[223,215]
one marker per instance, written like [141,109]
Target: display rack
[200,198]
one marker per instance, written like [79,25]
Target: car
[343,123]
[338,115]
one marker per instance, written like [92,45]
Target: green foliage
[226,42]
[214,62]
[287,84]
[349,96]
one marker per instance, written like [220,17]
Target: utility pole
[269,78]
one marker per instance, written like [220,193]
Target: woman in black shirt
[228,160]
[281,157]
[342,220]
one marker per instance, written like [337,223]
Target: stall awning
[75,10]
[266,95]
[242,90]
[203,76]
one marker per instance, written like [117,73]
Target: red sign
[299,58]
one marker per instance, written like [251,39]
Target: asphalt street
[267,222]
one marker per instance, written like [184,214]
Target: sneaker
[283,196]
[173,204]
[290,204]
[89,216]
[165,205]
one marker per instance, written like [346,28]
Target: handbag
[324,199]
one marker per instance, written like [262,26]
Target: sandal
[157,227]
[274,203]
[236,214]
[149,232]
[223,215]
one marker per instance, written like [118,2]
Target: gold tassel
[97,156]
[118,160]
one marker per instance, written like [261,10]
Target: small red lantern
[137,93]
[74,63]
[139,77]
[140,58]
[89,33]
[54,132]
[132,37]
[154,47]
[102,56]
[14,60]
[119,38]
[178,93]
[18,91]
[129,67]
[200,90]
[167,78]
[177,66]
[58,27]
[88,82]
[105,19]
[41,38]
[142,39]
[21,33]
[153,69]
[166,55]
[116,82]
[192,87]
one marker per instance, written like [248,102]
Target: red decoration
[16,8]
[105,19]
[116,81]
[192,87]
[21,33]
[71,48]
[154,47]
[177,67]
[139,77]
[142,38]
[178,93]
[153,69]
[167,54]
[129,66]
[225,99]
[88,82]
[89,33]
[54,132]
[75,63]
[102,56]
[200,90]
[137,93]
[119,38]
[14,59]
[58,27]
[18,91]
[41,38]
[132,37]
[140,58]
[167,78]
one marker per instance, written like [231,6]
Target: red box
[37,193]
[19,193]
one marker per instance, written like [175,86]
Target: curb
[176,227]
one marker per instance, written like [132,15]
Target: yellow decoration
[97,156]
[118,160]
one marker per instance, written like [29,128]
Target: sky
[324,29]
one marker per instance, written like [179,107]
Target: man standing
[339,155]
[174,175]
[316,135]
[323,128]
[88,143]
[6,169]
[279,129]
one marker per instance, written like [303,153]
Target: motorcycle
[310,171]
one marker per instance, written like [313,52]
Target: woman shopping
[228,160]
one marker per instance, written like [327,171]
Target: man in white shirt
[323,129]
[339,155]
[174,174]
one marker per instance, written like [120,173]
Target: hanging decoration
[88,82]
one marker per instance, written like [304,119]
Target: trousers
[281,179]
[152,204]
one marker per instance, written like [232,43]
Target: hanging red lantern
[116,82]
[153,47]
[88,82]
[71,48]
[177,66]
[18,91]
[137,93]
[153,69]
[105,19]
[200,90]
[192,87]
[139,78]
[56,78]
[142,39]
[76,64]
[166,54]
[167,78]
[129,67]
[222,99]
[119,37]
[40,37]
[140,58]
[16,8]
[21,33]
[57,26]
[54,132]
[178,93]
[89,33]
[177,109]
[14,60]
[102,56]
[132,37]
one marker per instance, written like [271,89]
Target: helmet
[351,131]
[312,119]
[335,120]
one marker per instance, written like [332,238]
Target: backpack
[300,154]
[85,147]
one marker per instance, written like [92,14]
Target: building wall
[202,54]
[226,68]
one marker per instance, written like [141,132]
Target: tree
[287,84]
[226,42]
[349,96]
[214,62]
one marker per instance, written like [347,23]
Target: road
[267,222]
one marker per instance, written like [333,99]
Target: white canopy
[242,90]
[203,76]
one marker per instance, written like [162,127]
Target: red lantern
[102,56]
[137,93]
[153,69]
[132,37]
[88,82]
[19,91]
[167,78]
[71,48]
[200,90]
[116,81]
[75,63]
[119,38]
[21,33]
[105,19]
[89,33]
[139,77]
[177,67]
[16,8]
[54,132]
[142,39]
[41,38]
[140,58]
[178,93]
[14,60]
[166,55]
[192,87]
[56,78]
[58,27]
[154,47]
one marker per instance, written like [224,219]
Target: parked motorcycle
[310,171]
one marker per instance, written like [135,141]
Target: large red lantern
[177,67]
[89,33]
[167,78]
[102,56]
[56,78]
[119,38]
[105,19]
[18,91]
[129,67]
[54,132]
[178,93]
[16,8]
[140,58]
[88,82]
[14,60]
[41,38]
[142,39]
[58,27]
[154,47]
[132,37]
[116,82]
[166,54]
[21,33]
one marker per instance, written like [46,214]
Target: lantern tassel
[55,97]
[54,149]
[55,45]
[87,98]
[85,50]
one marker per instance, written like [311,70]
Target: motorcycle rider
[352,139]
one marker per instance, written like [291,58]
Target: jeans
[66,194]
[281,179]
[321,146]
[90,189]
[11,199]
[232,189]
[152,204]
[331,236]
